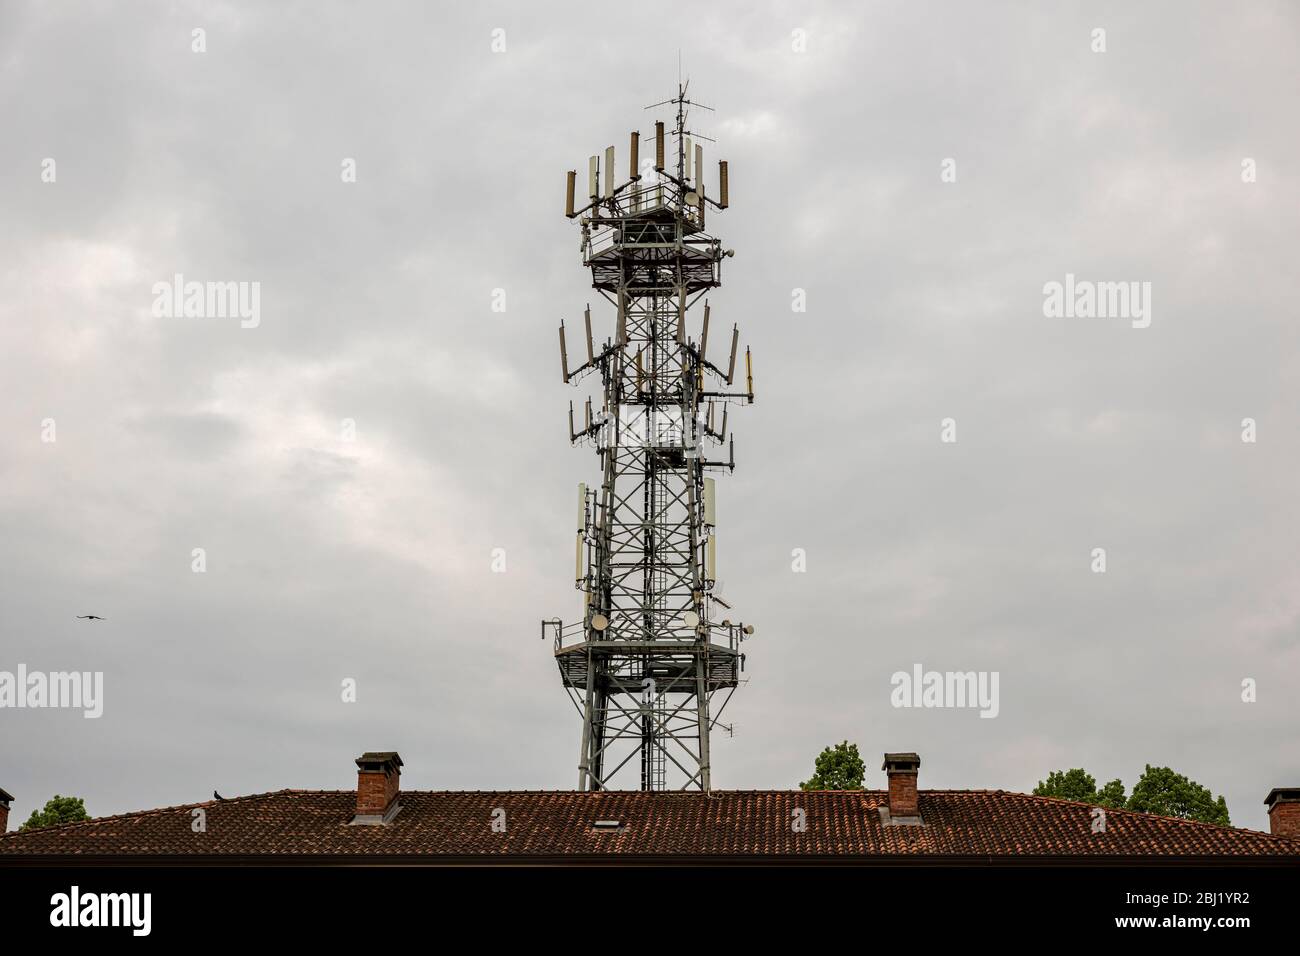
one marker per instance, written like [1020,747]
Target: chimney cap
[1282,795]
[381,760]
[5,797]
[901,762]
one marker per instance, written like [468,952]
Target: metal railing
[574,634]
[636,200]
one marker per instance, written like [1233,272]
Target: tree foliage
[1111,796]
[1076,784]
[837,768]
[1159,790]
[57,810]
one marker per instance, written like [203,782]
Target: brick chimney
[1283,811]
[903,804]
[378,785]
[6,798]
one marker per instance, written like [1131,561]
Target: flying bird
[89,617]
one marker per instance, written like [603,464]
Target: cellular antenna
[731,366]
[651,662]
[704,332]
[591,349]
[564,355]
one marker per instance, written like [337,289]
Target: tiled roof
[971,825]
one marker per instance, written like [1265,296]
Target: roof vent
[608,824]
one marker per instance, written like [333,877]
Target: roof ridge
[156,811]
[1157,816]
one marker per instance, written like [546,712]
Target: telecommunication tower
[649,657]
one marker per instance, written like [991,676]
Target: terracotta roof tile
[458,825]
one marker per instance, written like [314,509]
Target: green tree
[837,768]
[1161,790]
[1076,784]
[57,810]
[1080,786]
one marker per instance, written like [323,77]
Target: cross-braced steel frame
[649,668]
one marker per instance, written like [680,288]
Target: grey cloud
[372,559]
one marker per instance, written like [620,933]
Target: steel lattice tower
[646,662]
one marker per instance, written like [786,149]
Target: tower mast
[647,661]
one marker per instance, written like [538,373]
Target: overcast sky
[371,559]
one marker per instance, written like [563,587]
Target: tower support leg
[702,717]
[584,756]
